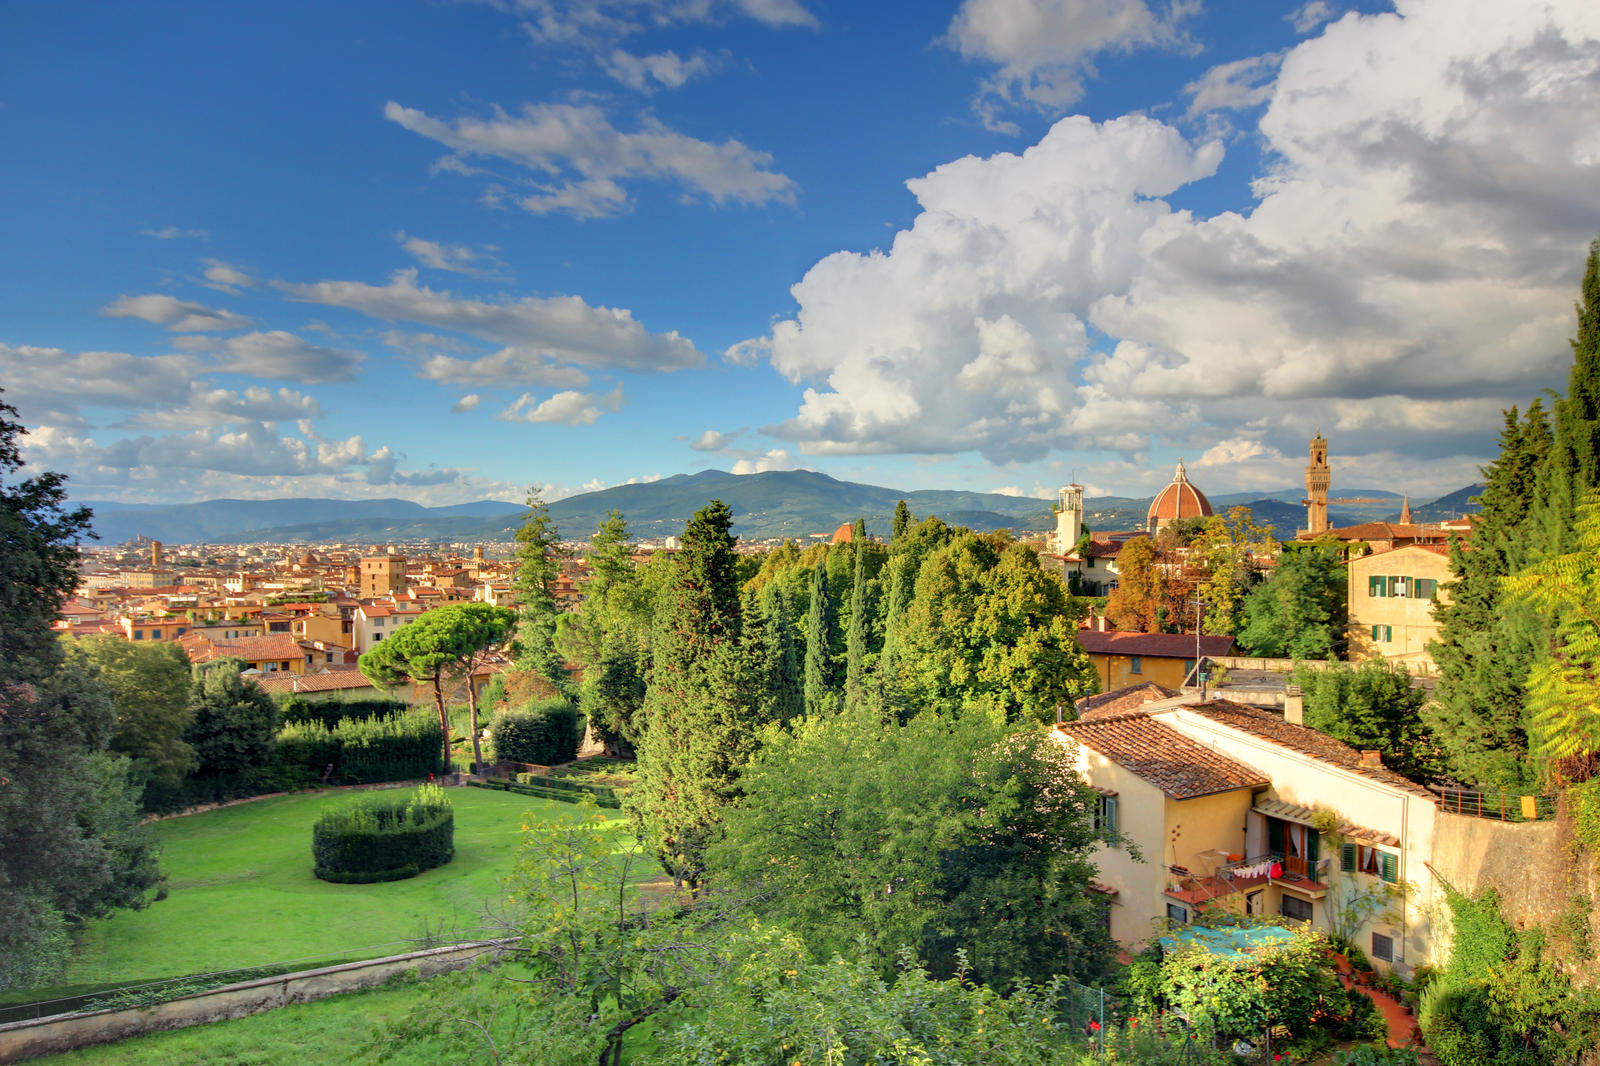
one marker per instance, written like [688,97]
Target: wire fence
[165,989]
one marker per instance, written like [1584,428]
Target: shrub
[383,838]
[330,712]
[603,792]
[545,733]
[362,750]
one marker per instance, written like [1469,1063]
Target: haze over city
[442,251]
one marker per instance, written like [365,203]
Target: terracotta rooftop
[1156,645]
[332,681]
[1300,738]
[257,649]
[1163,756]
[1121,700]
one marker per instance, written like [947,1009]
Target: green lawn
[328,1031]
[241,893]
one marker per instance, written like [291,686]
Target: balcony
[1244,875]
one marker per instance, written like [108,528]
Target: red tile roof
[1163,756]
[275,646]
[1299,738]
[332,681]
[1155,645]
[1121,700]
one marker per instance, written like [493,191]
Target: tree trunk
[472,718]
[444,719]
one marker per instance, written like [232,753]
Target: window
[1375,586]
[138,634]
[1136,665]
[1427,588]
[1105,815]
[1177,913]
[1382,947]
[377,621]
[1298,909]
[1383,634]
[376,637]
[1361,859]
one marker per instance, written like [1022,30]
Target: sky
[447,251]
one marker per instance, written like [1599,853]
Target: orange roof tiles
[1163,756]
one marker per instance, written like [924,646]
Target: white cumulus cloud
[569,407]
[180,316]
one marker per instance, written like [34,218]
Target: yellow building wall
[320,627]
[1409,618]
[1116,671]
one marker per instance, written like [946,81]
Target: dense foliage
[295,708]
[1373,706]
[382,837]
[545,733]
[358,751]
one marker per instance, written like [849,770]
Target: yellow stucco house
[1230,806]
[1391,596]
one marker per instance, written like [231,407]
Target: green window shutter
[1374,585]
[1347,858]
[1313,848]
[1274,836]
[1111,815]
[1391,867]
[1394,585]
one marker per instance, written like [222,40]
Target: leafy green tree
[233,729]
[939,835]
[1488,642]
[70,848]
[1564,688]
[538,556]
[613,696]
[442,647]
[38,568]
[149,685]
[777,653]
[1230,549]
[821,687]
[859,639]
[1373,707]
[1299,612]
[699,714]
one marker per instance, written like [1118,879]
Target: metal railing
[1500,806]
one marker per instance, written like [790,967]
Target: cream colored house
[1391,600]
[1234,807]
[373,622]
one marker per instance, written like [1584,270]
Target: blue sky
[448,250]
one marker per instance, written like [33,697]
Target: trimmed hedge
[330,712]
[560,795]
[547,732]
[545,781]
[383,838]
[362,750]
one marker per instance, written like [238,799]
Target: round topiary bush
[384,838]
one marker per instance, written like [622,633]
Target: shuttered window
[1347,858]
[1374,585]
[1390,867]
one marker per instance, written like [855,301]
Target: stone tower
[1069,519]
[157,558]
[1318,480]
[1405,510]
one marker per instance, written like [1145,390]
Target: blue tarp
[1230,942]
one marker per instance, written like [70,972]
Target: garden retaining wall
[67,1032]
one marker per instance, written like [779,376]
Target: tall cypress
[700,719]
[902,522]
[1573,466]
[821,690]
[860,634]
[1486,645]
[785,683]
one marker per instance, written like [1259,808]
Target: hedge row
[546,781]
[361,750]
[557,794]
[547,732]
[384,838]
[331,712]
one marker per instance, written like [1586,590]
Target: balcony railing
[1501,806]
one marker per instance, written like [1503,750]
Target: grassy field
[241,893]
[329,1031]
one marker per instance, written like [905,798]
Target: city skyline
[443,251]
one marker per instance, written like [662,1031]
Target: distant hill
[780,503]
[1453,505]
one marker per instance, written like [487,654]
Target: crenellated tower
[1069,519]
[1318,479]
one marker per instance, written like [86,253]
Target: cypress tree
[902,522]
[1487,645]
[820,685]
[780,656]
[538,555]
[1573,466]
[699,715]
[855,676]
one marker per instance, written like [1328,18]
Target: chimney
[1294,705]
[1373,759]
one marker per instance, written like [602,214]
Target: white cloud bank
[1409,265]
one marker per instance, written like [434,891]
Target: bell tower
[1069,518]
[1318,480]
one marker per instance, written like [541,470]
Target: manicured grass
[241,893]
[330,1030]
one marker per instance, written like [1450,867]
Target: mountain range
[787,503]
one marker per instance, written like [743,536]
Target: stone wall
[67,1032]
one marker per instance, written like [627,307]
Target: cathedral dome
[1178,500]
